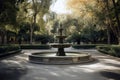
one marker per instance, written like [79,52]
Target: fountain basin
[51,58]
[60,45]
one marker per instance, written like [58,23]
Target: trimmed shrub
[8,48]
[35,46]
[86,46]
[113,50]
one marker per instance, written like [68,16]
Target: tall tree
[116,12]
[8,14]
[39,7]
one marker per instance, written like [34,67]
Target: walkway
[19,68]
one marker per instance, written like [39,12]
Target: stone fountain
[60,56]
[60,45]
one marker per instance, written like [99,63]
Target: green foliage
[35,46]
[8,11]
[113,50]
[10,36]
[89,34]
[8,14]
[24,31]
[112,16]
[55,27]
[8,48]
[44,38]
[25,27]
[86,46]
[75,37]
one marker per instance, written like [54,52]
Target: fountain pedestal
[60,52]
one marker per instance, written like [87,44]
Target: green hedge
[113,50]
[86,46]
[35,46]
[9,49]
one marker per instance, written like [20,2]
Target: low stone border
[58,60]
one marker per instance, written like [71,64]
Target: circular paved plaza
[18,67]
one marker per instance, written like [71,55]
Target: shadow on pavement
[113,75]
[10,72]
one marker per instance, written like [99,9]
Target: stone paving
[19,68]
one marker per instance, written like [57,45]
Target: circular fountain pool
[51,58]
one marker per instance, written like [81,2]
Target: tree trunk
[117,19]
[108,35]
[78,42]
[31,34]
[34,22]
[119,40]
[32,28]
[116,14]
[108,19]
[5,39]
[0,39]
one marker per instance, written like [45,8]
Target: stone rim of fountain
[60,60]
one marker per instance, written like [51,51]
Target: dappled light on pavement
[100,69]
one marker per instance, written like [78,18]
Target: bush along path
[113,50]
[6,50]
[35,46]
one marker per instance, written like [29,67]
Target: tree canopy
[88,19]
